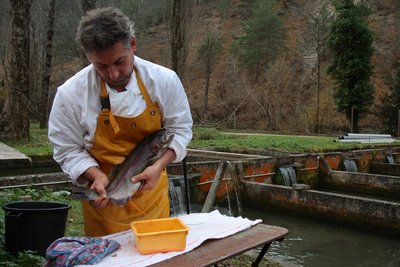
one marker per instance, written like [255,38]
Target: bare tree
[16,118]
[37,54]
[316,41]
[273,94]
[47,67]
[5,26]
[88,5]
[207,54]
[231,93]
[179,13]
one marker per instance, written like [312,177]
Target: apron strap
[142,88]
[106,107]
[105,100]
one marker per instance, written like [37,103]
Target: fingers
[102,192]
[138,178]
[146,182]
[103,201]
[100,186]
[148,177]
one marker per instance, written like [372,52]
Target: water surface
[316,243]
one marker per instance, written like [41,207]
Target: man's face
[115,64]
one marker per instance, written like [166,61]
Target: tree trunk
[18,114]
[205,100]
[47,68]
[178,26]
[318,91]
[177,36]
[86,6]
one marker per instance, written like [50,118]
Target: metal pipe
[37,184]
[247,177]
[259,175]
[308,169]
[186,186]
[209,182]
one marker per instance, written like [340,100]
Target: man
[104,110]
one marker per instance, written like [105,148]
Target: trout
[121,188]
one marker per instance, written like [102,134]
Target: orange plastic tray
[160,235]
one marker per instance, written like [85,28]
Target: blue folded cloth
[71,251]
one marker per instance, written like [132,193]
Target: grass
[212,139]
[39,144]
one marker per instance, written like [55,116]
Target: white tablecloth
[202,226]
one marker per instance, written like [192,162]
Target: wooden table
[214,251]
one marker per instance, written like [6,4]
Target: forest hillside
[290,92]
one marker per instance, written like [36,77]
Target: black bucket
[34,225]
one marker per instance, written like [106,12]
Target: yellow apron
[115,137]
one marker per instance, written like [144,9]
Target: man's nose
[113,72]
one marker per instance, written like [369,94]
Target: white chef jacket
[76,106]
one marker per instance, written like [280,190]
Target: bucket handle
[13,215]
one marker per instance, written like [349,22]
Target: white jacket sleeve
[66,136]
[177,117]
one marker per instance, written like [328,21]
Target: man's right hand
[99,182]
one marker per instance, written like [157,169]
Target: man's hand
[99,182]
[149,177]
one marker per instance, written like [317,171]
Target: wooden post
[214,188]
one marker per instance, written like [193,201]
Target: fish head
[156,140]
[159,144]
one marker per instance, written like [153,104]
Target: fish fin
[114,171]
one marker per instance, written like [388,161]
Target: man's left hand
[149,177]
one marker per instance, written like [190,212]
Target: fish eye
[154,147]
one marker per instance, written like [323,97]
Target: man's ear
[88,58]
[133,44]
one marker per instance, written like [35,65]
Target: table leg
[261,255]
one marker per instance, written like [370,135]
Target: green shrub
[206,134]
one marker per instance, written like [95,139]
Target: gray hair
[103,27]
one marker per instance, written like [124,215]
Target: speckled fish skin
[144,154]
